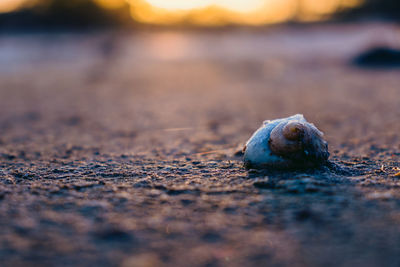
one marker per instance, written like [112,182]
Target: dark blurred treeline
[375,9]
[85,14]
[64,14]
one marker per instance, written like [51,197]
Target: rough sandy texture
[118,149]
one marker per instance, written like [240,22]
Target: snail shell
[286,143]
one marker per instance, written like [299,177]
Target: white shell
[311,149]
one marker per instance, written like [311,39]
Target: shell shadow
[331,167]
[328,179]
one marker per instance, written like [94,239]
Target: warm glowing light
[241,5]
[111,4]
[233,5]
[352,3]
[10,5]
[214,12]
[314,10]
[169,46]
[221,12]
[179,4]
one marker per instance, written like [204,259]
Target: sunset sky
[214,12]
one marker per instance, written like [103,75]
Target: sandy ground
[118,149]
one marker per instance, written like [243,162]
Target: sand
[120,148]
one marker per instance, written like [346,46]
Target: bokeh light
[10,5]
[221,12]
[111,4]
[215,12]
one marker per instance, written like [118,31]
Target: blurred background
[122,122]
[81,14]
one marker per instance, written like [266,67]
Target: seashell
[285,144]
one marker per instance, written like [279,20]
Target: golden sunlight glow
[10,5]
[241,5]
[314,10]
[178,4]
[234,5]
[221,12]
[110,4]
[214,12]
